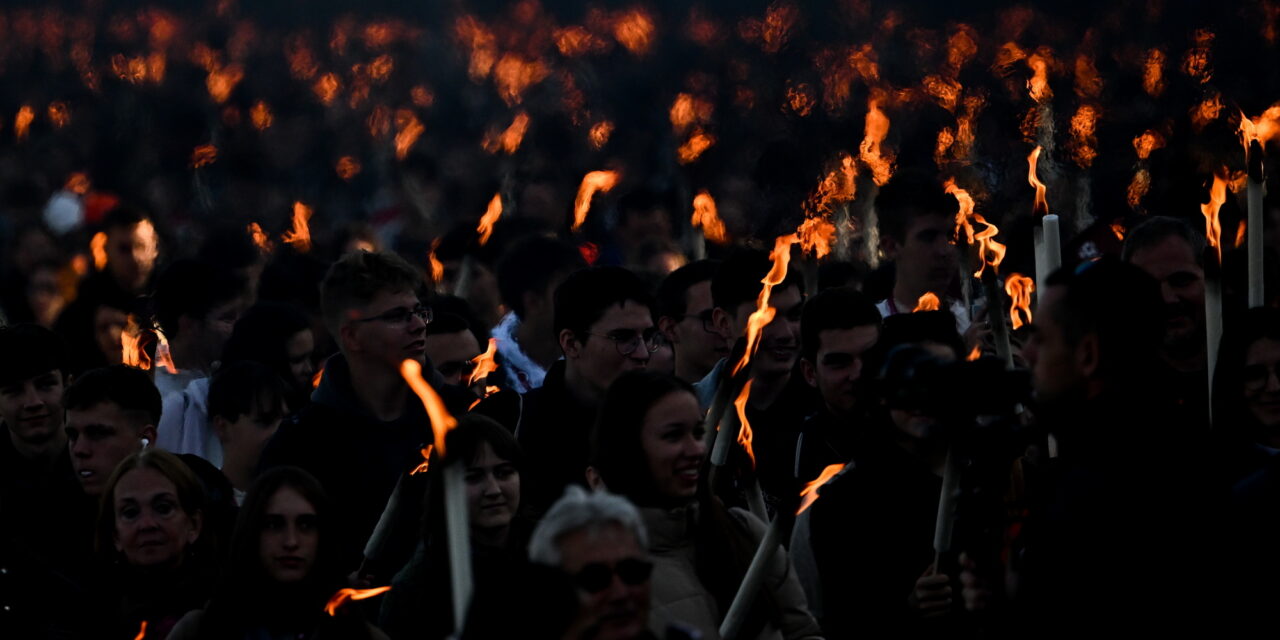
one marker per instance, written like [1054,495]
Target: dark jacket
[555,433]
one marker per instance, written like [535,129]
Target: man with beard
[1170,251]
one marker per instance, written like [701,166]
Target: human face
[290,537]
[132,253]
[926,260]
[1174,265]
[780,339]
[837,365]
[383,342]
[45,297]
[452,353]
[694,336]
[108,325]
[672,438]
[100,437]
[152,530]
[214,329]
[619,611]
[32,409]
[1055,374]
[493,490]
[1262,390]
[245,438]
[596,358]
[298,350]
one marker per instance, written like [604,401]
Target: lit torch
[485,364]
[1254,134]
[594,181]
[707,218]
[299,237]
[1047,237]
[345,595]
[1213,272]
[928,302]
[1019,288]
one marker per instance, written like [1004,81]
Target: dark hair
[1155,230]
[922,326]
[909,195]
[1231,417]
[838,308]
[358,277]
[673,292]
[840,273]
[191,288]
[190,492]
[473,430]
[123,216]
[126,387]
[531,265]
[229,247]
[443,323]
[585,296]
[246,388]
[31,350]
[261,333]
[459,307]
[738,278]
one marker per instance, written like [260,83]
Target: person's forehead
[929,221]
[459,341]
[698,297]
[601,543]
[628,315]
[1263,351]
[103,413]
[388,300]
[852,339]
[1172,253]
[144,482]
[31,378]
[785,297]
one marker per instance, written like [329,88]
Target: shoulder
[188,627]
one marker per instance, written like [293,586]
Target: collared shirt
[888,307]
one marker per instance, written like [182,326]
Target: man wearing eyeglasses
[685,318]
[604,322]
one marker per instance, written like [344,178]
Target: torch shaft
[726,436]
[751,582]
[459,541]
[946,505]
[1052,244]
[996,315]
[1212,325]
[1042,262]
[1254,231]
[465,273]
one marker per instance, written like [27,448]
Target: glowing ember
[1153,73]
[708,219]
[763,315]
[745,436]
[22,122]
[1033,160]
[300,235]
[441,421]
[59,115]
[437,267]
[203,155]
[876,129]
[490,218]
[1212,226]
[426,461]
[142,631]
[408,128]
[975,354]
[591,183]
[509,140]
[1019,288]
[600,133]
[816,235]
[928,302]
[347,167]
[343,595]
[694,146]
[485,363]
[260,114]
[98,247]
[809,494]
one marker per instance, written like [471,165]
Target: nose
[80,448]
[491,486]
[694,447]
[1166,291]
[1273,378]
[30,399]
[290,537]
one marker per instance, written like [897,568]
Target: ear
[569,345]
[347,338]
[220,426]
[1088,356]
[889,246]
[148,432]
[723,322]
[667,325]
[197,523]
[594,480]
[809,371]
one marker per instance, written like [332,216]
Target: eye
[273,522]
[128,513]
[164,507]
[307,522]
[475,476]
[699,432]
[504,472]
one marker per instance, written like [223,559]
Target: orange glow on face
[745,435]
[876,129]
[594,181]
[300,235]
[326,88]
[634,29]
[1083,141]
[763,315]
[975,354]
[441,421]
[694,146]
[1038,85]
[222,81]
[928,302]
[347,167]
[260,239]
[816,235]
[1241,233]
[809,494]
[260,114]
[485,363]
[22,122]
[343,595]
[1033,161]
[1019,288]
[408,128]
[490,218]
[513,75]
[1153,73]
[437,267]
[509,140]
[202,155]
[1212,226]
[707,218]
[600,133]
[59,115]
[426,461]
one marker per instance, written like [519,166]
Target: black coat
[555,433]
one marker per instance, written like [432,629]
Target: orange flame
[682,112]
[485,363]
[838,187]
[78,183]
[260,114]
[481,43]
[1038,84]
[763,315]
[164,357]
[133,354]
[1206,111]
[801,99]
[426,461]
[1118,229]
[975,354]
[634,29]
[326,88]
[573,41]
[260,238]
[490,217]
[745,435]
[1153,73]
[142,631]
[343,595]
[347,167]
[809,494]
[816,234]
[965,215]
[708,219]
[946,138]
[513,75]
[408,128]
[1241,230]
[600,133]
[1088,82]
[876,129]
[591,183]
[1084,125]
[98,247]
[1263,128]
[441,421]
[1212,226]
[59,115]
[300,235]
[1138,188]
[437,267]
[509,140]
[222,81]
[22,122]
[203,155]
[990,252]
[315,379]
[1197,62]
[1033,161]
[1149,141]
[928,302]
[693,147]
[422,97]
[1019,288]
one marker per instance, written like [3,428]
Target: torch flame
[1118,229]
[1038,85]
[965,215]
[203,155]
[1153,73]
[809,494]
[441,421]
[133,355]
[426,461]
[1149,141]
[600,133]
[164,357]
[1263,128]
[990,252]
[343,595]
[1019,288]
[142,631]
[591,183]
[816,236]
[928,302]
[1212,226]
[326,88]
[98,246]
[697,143]
[22,121]
[708,219]
[1033,160]
[437,267]
[260,114]
[408,128]
[763,315]
[485,363]
[260,238]
[300,235]
[876,129]
[1241,230]
[509,140]
[490,217]
[745,435]
[975,354]
[315,379]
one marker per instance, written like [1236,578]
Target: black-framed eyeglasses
[1256,376]
[705,317]
[402,315]
[597,576]
[628,341]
